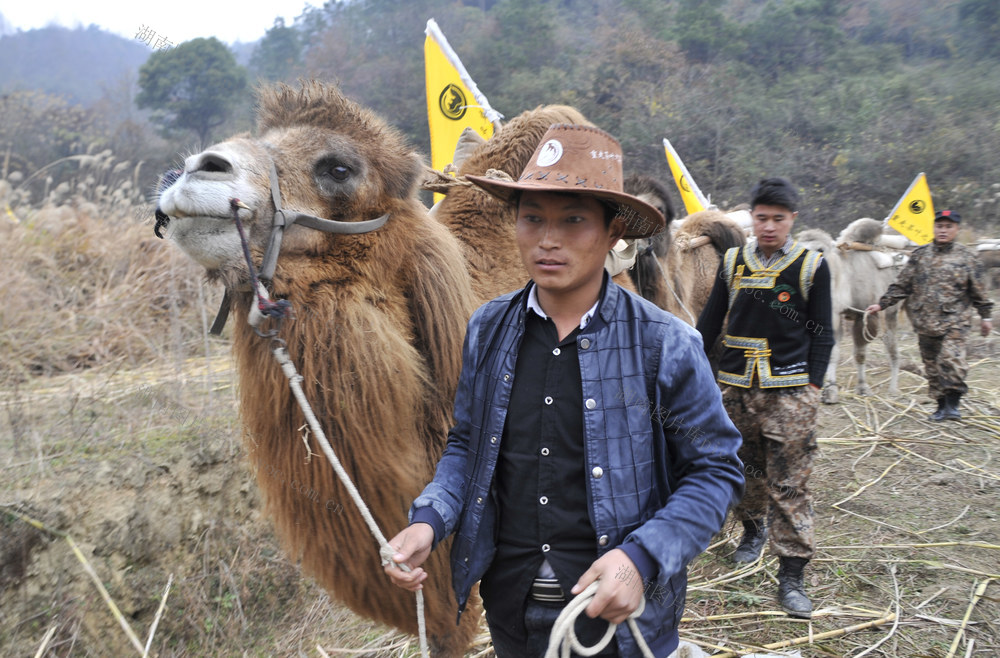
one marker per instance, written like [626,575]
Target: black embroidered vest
[767,335]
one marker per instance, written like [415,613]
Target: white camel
[861,269]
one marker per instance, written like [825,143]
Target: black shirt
[540,478]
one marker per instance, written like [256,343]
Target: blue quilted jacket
[662,468]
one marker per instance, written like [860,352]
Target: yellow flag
[694,200]
[913,215]
[453,100]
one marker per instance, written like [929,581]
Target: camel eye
[339,173]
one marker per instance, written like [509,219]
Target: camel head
[333,160]
[655,194]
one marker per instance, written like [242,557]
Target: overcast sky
[175,20]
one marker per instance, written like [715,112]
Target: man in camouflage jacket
[941,281]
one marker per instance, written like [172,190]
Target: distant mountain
[71,63]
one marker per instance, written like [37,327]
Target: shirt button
[557,351]
[584,343]
[603,541]
[545,548]
[591,403]
[548,399]
[598,472]
[545,452]
[544,500]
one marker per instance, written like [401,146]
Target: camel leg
[892,348]
[860,353]
[831,393]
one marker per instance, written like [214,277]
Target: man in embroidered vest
[776,347]
[590,442]
[943,281]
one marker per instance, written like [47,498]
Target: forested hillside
[849,98]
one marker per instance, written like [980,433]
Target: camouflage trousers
[944,362]
[779,443]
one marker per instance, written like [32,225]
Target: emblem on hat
[549,153]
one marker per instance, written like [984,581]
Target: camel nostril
[211,162]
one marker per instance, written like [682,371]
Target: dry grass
[86,281]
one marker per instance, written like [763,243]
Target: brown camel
[377,336]
[676,270]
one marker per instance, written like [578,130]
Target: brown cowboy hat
[577,160]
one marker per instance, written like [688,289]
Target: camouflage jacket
[940,284]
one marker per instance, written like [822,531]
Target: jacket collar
[605,307]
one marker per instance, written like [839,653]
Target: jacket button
[591,403]
[545,452]
[479,500]
[466,558]
[603,541]
[506,378]
[597,472]
[493,439]
[548,399]
[544,500]
[584,343]
[545,548]
[557,351]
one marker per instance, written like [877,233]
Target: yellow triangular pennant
[913,215]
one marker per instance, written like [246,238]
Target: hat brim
[642,220]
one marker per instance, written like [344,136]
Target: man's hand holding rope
[616,597]
[412,546]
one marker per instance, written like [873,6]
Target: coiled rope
[867,335]
[563,639]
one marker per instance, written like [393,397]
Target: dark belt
[547,590]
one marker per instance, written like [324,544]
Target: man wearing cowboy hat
[590,442]
[942,281]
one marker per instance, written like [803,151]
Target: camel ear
[401,182]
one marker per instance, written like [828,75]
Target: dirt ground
[145,473]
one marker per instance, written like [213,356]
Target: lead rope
[280,310]
[867,335]
[563,639]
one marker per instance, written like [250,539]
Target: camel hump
[865,230]
[723,232]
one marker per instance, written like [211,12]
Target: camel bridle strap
[282,219]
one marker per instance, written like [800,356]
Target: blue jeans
[510,642]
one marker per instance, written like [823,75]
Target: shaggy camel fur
[478,219]
[678,271]
[377,336]
[857,281]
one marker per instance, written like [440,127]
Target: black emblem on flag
[452,102]
[917,206]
